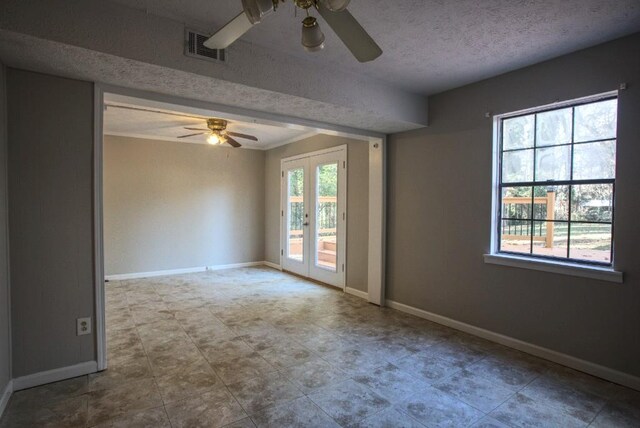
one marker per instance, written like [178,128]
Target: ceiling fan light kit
[312,36]
[334,12]
[213,139]
[217,133]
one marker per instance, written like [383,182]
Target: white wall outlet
[83,326]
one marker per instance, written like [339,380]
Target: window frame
[498,185]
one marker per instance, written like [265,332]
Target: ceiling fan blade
[232,142]
[236,134]
[347,28]
[191,135]
[231,32]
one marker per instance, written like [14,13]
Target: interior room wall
[439,215]
[171,205]
[50,158]
[357,201]
[5,336]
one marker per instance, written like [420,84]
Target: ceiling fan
[334,12]
[218,133]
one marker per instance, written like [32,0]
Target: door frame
[341,261]
[377,188]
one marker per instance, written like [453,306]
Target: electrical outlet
[83,326]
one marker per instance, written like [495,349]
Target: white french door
[314,213]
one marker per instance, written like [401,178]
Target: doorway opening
[325,241]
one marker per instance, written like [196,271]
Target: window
[556,181]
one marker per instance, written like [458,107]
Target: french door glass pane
[326,216]
[295,201]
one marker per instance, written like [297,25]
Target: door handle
[306,223]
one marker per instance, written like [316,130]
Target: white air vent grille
[195,47]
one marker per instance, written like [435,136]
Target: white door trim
[377,220]
[98,228]
[377,186]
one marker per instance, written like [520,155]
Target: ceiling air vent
[195,47]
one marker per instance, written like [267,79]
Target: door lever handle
[305,223]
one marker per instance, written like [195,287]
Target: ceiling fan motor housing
[217,125]
[304,4]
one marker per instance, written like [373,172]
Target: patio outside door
[314,215]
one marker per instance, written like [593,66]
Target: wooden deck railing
[549,201]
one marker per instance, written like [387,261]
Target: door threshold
[315,281]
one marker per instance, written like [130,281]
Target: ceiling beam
[110,43]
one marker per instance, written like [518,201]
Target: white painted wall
[171,205]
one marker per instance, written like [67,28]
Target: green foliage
[328,180]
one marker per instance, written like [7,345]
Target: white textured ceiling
[433,45]
[168,124]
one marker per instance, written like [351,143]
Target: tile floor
[255,347]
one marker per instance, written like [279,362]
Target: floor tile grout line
[203,357]
[153,375]
[166,413]
[223,383]
[558,406]
[323,411]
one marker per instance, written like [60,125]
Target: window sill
[593,272]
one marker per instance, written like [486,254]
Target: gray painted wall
[439,213]
[50,215]
[5,313]
[174,205]
[357,201]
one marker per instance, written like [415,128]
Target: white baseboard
[137,275]
[235,265]
[62,373]
[272,265]
[548,354]
[6,395]
[362,294]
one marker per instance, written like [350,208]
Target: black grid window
[557,182]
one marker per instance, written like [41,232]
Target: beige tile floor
[256,347]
